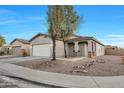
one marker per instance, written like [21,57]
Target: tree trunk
[54,50]
[65,49]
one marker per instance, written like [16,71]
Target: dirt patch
[102,66]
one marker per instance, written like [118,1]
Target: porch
[80,47]
[77,49]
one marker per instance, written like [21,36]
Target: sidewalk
[8,56]
[61,80]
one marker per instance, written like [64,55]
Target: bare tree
[54,25]
[68,24]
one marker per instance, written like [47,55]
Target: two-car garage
[41,45]
[41,50]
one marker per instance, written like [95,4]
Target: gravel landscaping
[100,66]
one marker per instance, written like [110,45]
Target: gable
[41,40]
[16,43]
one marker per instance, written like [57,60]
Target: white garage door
[41,50]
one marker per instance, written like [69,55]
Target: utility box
[122,59]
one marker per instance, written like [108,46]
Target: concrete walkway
[72,59]
[18,59]
[7,56]
[61,80]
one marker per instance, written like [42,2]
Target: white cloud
[114,39]
[5,22]
[12,17]
[21,20]
[116,36]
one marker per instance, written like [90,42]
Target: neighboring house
[6,49]
[20,44]
[41,45]
[114,50]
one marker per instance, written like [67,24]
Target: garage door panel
[41,50]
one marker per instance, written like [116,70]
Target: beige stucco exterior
[43,40]
[59,49]
[85,48]
[26,47]
[89,48]
[95,47]
[100,50]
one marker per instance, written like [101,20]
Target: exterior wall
[17,43]
[95,49]
[23,46]
[59,49]
[114,51]
[41,40]
[86,50]
[89,45]
[27,48]
[46,40]
[100,50]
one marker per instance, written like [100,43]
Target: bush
[1,53]
[24,53]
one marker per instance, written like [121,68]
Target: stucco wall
[97,48]
[100,50]
[46,40]
[89,45]
[114,51]
[17,43]
[59,49]
[86,50]
[23,46]
[41,40]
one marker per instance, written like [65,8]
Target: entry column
[76,48]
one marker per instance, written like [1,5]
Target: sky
[105,23]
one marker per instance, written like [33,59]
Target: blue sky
[106,23]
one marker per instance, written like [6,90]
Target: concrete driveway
[18,59]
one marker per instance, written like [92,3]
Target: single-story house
[76,46]
[5,49]
[19,46]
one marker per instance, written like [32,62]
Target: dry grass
[103,66]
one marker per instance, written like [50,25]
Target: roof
[79,38]
[84,38]
[20,40]
[39,34]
